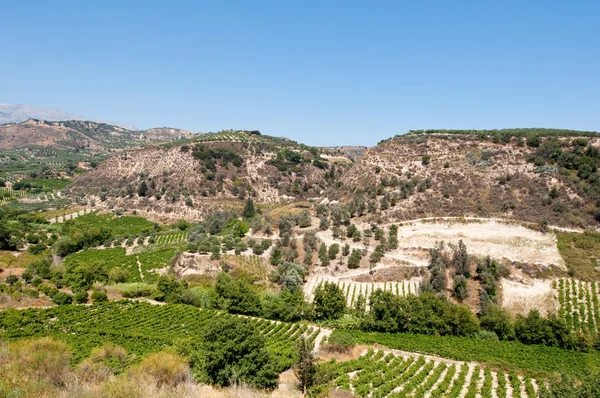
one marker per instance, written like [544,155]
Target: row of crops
[224,136]
[171,238]
[378,374]
[579,304]
[139,327]
[353,290]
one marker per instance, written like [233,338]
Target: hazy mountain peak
[17,113]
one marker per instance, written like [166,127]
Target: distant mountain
[10,113]
[77,135]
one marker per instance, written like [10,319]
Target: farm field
[579,304]
[141,328]
[537,361]
[140,267]
[117,225]
[352,289]
[171,238]
[381,373]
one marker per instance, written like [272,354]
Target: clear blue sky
[320,72]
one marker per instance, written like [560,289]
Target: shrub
[43,358]
[99,297]
[166,368]
[61,298]
[81,297]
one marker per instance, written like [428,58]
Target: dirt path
[139,265]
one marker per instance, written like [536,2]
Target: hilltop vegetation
[191,178]
[528,175]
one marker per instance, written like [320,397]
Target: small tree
[460,287]
[323,255]
[354,260]
[329,301]
[305,368]
[333,251]
[142,189]
[249,210]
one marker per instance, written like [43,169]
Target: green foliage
[61,298]
[518,132]
[143,328]
[354,260]
[580,252]
[305,368]
[287,306]
[509,355]
[329,301]
[232,351]
[426,313]
[249,210]
[498,321]
[235,296]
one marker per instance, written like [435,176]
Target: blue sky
[320,72]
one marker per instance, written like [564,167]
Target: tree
[304,220]
[460,259]
[329,301]
[323,255]
[498,321]
[333,251]
[346,250]
[232,351]
[83,276]
[393,237]
[460,287]
[354,260]
[5,242]
[287,306]
[235,296]
[249,210]
[305,368]
[142,189]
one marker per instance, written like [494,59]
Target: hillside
[18,113]
[519,174]
[80,135]
[186,179]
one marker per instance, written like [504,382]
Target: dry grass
[41,368]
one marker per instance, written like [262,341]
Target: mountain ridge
[18,113]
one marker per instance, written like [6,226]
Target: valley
[435,264]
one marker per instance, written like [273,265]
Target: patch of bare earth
[519,297]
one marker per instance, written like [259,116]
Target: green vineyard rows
[139,327]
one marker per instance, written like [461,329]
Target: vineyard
[353,290]
[255,266]
[579,304]
[225,137]
[149,261]
[379,374]
[117,225]
[171,238]
[139,327]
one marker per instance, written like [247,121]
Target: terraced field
[579,304]
[379,374]
[353,289]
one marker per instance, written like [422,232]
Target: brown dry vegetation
[506,187]
[44,368]
[174,176]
